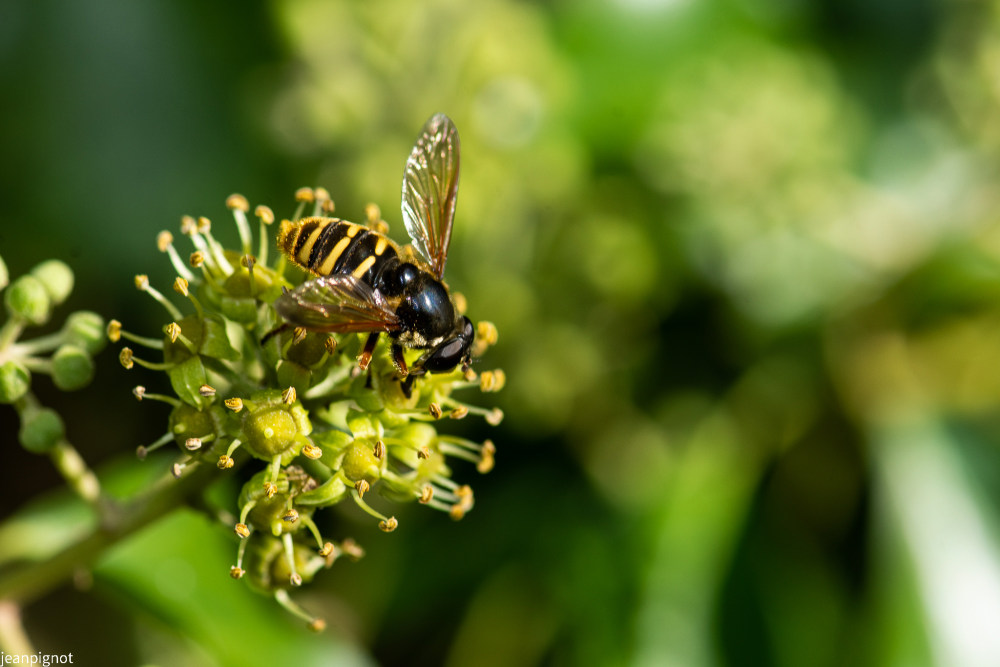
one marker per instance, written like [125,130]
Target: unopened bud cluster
[65,355]
[297,406]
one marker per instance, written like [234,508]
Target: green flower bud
[187,422]
[57,278]
[15,380]
[309,351]
[28,299]
[360,461]
[271,513]
[269,432]
[86,330]
[275,424]
[72,368]
[267,566]
[4,275]
[41,429]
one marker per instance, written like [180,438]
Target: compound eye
[447,355]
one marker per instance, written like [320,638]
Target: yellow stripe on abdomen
[363,267]
[326,266]
[306,249]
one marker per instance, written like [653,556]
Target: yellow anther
[237,202]
[163,240]
[265,214]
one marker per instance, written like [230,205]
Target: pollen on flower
[311,451]
[235,403]
[181,286]
[189,226]
[487,459]
[265,214]
[206,390]
[125,357]
[362,486]
[305,195]
[225,462]
[461,412]
[236,572]
[379,450]
[426,494]
[461,303]
[492,381]
[197,259]
[237,202]
[193,444]
[163,240]
[242,530]
[288,396]
[487,332]
[142,282]
[435,410]
[291,516]
[388,525]
[138,391]
[173,330]
[372,214]
[494,417]
[464,504]
[114,331]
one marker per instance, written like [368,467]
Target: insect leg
[398,359]
[366,354]
[284,326]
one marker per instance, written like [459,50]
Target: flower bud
[272,428]
[56,277]
[15,380]
[28,299]
[86,330]
[72,368]
[360,462]
[187,421]
[41,429]
[4,275]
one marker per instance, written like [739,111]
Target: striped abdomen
[328,246]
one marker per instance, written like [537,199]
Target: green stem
[11,329]
[13,639]
[26,581]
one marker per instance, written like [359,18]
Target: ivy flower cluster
[65,355]
[295,403]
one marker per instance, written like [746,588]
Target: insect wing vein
[337,303]
[430,190]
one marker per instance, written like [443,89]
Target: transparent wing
[430,189]
[336,303]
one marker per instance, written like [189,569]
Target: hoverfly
[366,283]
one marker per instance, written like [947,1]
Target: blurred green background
[743,256]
